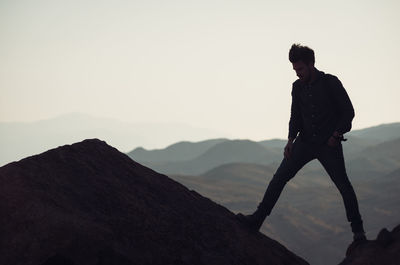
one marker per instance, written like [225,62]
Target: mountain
[225,152]
[236,183]
[380,133]
[356,144]
[381,196]
[21,139]
[191,158]
[389,179]
[385,250]
[181,151]
[375,161]
[274,143]
[87,203]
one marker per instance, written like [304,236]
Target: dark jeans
[332,160]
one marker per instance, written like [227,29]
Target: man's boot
[253,221]
[359,237]
[358,231]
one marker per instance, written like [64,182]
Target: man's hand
[288,149]
[334,140]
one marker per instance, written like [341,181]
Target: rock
[385,250]
[58,260]
[89,204]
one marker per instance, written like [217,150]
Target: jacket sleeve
[343,105]
[295,115]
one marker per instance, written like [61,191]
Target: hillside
[310,211]
[87,203]
[376,160]
[233,183]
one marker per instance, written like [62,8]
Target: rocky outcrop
[89,204]
[385,250]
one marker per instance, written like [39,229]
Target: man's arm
[343,105]
[295,116]
[294,124]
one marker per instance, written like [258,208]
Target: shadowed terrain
[87,203]
[385,250]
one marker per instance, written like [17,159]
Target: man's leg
[301,155]
[332,160]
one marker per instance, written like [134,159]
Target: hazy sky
[217,64]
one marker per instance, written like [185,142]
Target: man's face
[303,71]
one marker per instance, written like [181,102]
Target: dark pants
[332,160]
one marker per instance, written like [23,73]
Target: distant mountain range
[21,139]
[194,158]
[379,133]
[181,151]
[221,153]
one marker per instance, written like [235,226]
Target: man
[321,112]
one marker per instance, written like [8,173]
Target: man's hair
[301,53]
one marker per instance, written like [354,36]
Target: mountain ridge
[381,132]
[221,153]
[181,151]
[358,142]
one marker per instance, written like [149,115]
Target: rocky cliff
[385,250]
[89,204]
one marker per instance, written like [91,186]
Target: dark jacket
[320,108]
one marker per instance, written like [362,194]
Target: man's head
[302,59]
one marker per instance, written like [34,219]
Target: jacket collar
[319,75]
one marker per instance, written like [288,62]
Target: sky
[215,64]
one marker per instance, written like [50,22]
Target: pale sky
[216,64]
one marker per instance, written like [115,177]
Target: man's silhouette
[321,112]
